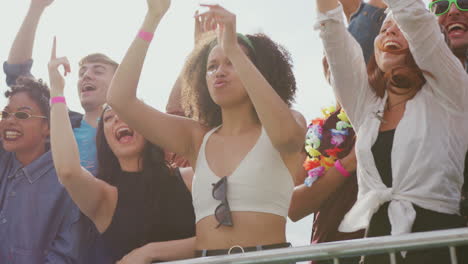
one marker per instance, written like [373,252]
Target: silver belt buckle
[235,246]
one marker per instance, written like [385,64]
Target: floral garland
[317,163]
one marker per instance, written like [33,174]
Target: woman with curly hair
[39,221]
[408,108]
[244,141]
[137,202]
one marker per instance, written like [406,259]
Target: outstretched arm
[161,251]
[285,127]
[307,200]
[21,50]
[172,133]
[99,200]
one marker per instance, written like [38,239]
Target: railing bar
[336,261]
[453,255]
[367,246]
[392,258]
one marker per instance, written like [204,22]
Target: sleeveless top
[147,214]
[260,183]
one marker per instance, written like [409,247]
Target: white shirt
[431,140]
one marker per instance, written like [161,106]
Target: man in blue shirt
[39,223]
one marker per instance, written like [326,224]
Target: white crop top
[260,183]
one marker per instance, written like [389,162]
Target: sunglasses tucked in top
[20,115]
[222,211]
[441,7]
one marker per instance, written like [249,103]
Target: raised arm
[346,61]
[95,198]
[22,48]
[285,128]
[161,251]
[172,133]
[448,79]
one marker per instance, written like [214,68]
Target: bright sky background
[108,26]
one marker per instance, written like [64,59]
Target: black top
[147,214]
[382,152]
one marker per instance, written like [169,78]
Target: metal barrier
[359,247]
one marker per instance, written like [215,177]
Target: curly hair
[270,58]
[37,90]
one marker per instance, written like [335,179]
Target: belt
[238,249]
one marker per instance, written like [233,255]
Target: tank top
[260,183]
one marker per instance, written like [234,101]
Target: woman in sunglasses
[244,140]
[137,201]
[408,109]
[39,222]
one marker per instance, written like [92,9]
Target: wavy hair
[271,59]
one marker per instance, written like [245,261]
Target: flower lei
[317,163]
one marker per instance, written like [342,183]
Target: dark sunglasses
[222,211]
[441,7]
[19,115]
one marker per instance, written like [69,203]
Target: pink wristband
[57,99]
[339,167]
[147,36]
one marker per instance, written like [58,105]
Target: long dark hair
[155,171]
[152,157]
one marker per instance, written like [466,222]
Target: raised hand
[40,4]
[57,81]
[225,23]
[201,27]
[158,7]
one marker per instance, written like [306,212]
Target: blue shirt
[85,136]
[39,223]
[365,25]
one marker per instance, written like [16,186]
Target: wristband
[339,167]
[57,99]
[146,36]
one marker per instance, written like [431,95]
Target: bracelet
[57,99]
[339,167]
[146,36]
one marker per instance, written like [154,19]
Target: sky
[108,26]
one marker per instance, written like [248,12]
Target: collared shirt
[39,223]
[430,140]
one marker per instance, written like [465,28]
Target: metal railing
[351,248]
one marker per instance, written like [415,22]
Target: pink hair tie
[146,36]
[57,99]
[339,167]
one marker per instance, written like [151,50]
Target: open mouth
[124,134]
[88,88]
[392,45]
[11,134]
[456,28]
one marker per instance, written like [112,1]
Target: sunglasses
[441,7]
[19,115]
[222,211]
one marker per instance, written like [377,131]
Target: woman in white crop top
[238,90]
